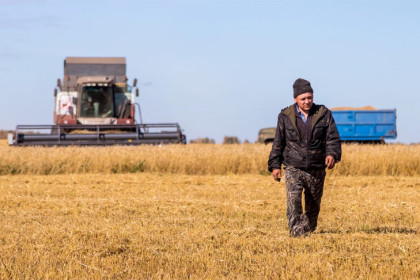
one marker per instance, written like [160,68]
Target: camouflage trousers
[312,183]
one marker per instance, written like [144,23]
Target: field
[202,212]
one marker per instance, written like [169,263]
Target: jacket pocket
[292,155]
[320,131]
[292,135]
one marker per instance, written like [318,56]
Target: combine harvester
[95,106]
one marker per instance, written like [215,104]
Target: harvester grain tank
[94,105]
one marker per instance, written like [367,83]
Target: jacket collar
[319,111]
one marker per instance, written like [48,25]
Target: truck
[266,135]
[365,124]
[355,124]
[94,105]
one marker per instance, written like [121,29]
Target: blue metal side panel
[356,125]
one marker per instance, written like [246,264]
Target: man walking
[306,142]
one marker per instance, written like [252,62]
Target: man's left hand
[329,162]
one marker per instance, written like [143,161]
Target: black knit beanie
[301,86]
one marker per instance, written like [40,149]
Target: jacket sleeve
[276,156]
[333,142]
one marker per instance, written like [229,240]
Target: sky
[218,67]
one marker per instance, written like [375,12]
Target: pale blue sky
[218,67]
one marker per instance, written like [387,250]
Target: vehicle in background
[357,125]
[266,135]
[95,106]
[365,124]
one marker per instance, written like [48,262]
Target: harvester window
[119,97]
[122,103]
[96,102]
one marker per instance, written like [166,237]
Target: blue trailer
[371,126]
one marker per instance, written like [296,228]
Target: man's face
[305,101]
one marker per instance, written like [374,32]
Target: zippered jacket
[290,149]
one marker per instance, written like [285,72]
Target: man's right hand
[276,174]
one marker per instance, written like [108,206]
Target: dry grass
[380,160]
[197,159]
[177,226]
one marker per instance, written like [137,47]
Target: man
[306,142]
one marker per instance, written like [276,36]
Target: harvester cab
[94,91]
[94,105]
